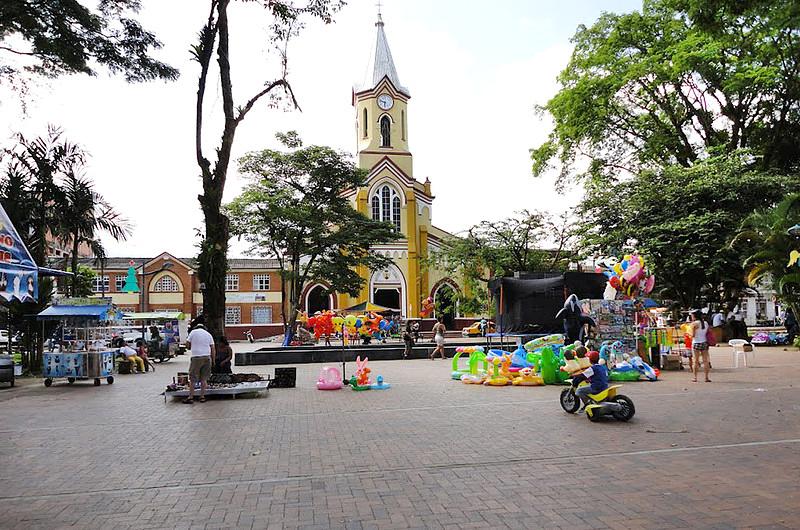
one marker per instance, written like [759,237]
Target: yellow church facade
[392,194]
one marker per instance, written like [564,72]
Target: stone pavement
[429,453]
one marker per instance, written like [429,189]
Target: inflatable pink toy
[330,378]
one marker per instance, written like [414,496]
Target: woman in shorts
[700,331]
[438,338]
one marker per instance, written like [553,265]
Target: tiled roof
[122,263]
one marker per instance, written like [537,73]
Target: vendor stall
[220,385]
[80,349]
[164,332]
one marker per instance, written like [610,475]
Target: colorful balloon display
[629,278]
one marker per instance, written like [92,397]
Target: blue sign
[19,278]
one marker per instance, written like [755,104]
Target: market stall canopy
[369,307]
[155,315]
[92,312]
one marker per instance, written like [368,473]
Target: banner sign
[19,278]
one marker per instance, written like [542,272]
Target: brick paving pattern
[429,453]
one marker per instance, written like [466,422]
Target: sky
[475,71]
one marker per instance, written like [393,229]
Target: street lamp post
[166,266]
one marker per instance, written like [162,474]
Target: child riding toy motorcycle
[591,387]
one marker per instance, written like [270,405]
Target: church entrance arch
[445,303]
[317,299]
[387,288]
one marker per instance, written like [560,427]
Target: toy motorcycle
[605,403]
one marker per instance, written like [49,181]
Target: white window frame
[101,282]
[119,283]
[231,282]
[256,308]
[233,315]
[258,280]
[382,203]
[159,287]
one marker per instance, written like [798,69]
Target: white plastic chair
[738,349]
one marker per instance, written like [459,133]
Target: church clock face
[385,101]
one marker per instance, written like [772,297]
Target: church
[392,194]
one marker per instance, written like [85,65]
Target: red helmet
[594,357]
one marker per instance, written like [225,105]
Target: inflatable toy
[355,386]
[473,379]
[541,342]
[643,368]
[519,359]
[427,308]
[527,378]
[496,379]
[575,321]
[630,277]
[330,378]
[625,375]
[471,350]
[380,385]
[548,366]
[362,371]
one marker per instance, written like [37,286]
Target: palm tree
[30,190]
[766,237]
[86,214]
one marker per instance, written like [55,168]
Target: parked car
[4,337]
[475,329]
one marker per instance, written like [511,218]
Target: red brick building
[252,299]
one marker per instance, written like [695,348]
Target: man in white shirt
[201,344]
[718,320]
[132,356]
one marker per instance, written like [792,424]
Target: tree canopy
[683,220]
[675,83]
[56,37]
[294,211]
[526,242]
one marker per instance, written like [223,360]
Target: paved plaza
[429,453]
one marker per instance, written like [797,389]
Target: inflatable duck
[527,378]
[380,385]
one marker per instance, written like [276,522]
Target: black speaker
[284,378]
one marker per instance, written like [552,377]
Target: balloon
[312,322]
[625,264]
[609,274]
[631,272]
[649,283]
[357,323]
[610,293]
[618,269]
[350,320]
[627,257]
[338,320]
[614,282]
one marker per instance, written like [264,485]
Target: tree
[293,211]
[683,220]
[682,80]
[81,285]
[85,214]
[57,37]
[501,248]
[764,237]
[286,22]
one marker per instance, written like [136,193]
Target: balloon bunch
[630,277]
[329,322]
[322,323]
[427,308]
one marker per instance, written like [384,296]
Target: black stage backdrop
[530,305]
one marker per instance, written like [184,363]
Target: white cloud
[471,121]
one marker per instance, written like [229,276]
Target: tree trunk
[213,263]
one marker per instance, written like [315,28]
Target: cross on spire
[379,4]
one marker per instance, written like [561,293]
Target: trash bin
[284,378]
[7,369]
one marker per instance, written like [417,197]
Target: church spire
[380,63]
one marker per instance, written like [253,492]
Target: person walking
[700,331]
[408,340]
[201,344]
[223,356]
[438,338]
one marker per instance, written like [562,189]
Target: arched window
[386,135]
[166,284]
[386,204]
[366,124]
[376,208]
